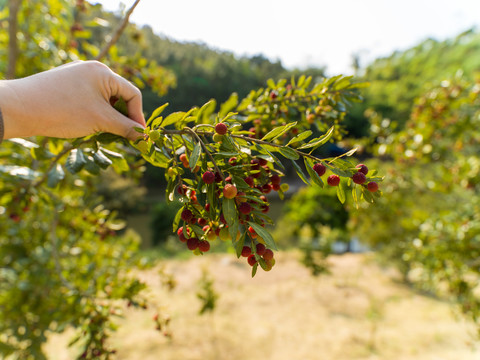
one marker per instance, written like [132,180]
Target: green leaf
[228,105]
[155,114]
[300,173]
[41,153]
[229,210]
[271,83]
[300,137]
[21,172]
[173,118]
[278,131]
[239,245]
[341,192]
[264,234]
[195,155]
[121,106]
[92,167]
[320,141]
[108,138]
[289,153]
[355,196]
[367,195]
[55,175]
[25,143]
[206,110]
[101,160]
[75,161]
[254,269]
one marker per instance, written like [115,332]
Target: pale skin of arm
[72,100]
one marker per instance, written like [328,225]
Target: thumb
[123,126]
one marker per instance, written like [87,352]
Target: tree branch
[118,32]
[12,38]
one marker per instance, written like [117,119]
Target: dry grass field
[358,312]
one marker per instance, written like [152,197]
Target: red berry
[249,180]
[261,249]
[275,179]
[265,209]
[192,243]
[208,177]
[263,162]
[232,161]
[359,178]
[251,260]
[207,207]
[229,191]
[333,180]
[372,186]
[204,246]
[362,168]
[183,158]
[275,187]
[268,254]
[182,189]
[202,221]
[246,251]
[222,219]
[273,95]
[221,128]
[266,188]
[180,234]
[255,164]
[187,215]
[252,232]
[319,168]
[245,208]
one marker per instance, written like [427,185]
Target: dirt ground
[358,312]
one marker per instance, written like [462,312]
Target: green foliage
[405,75]
[430,224]
[206,293]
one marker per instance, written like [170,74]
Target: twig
[12,38]
[118,32]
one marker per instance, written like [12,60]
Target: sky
[304,33]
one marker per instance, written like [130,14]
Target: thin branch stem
[118,32]
[12,38]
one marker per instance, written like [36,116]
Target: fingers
[132,96]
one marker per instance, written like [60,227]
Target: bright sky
[307,32]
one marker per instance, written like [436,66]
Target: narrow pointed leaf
[264,234]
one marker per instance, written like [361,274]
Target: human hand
[72,100]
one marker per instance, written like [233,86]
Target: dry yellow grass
[358,312]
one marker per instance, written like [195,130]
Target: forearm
[12,109]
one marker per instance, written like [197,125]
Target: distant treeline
[204,73]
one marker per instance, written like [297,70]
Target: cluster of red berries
[262,253]
[243,178]
[360,177]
